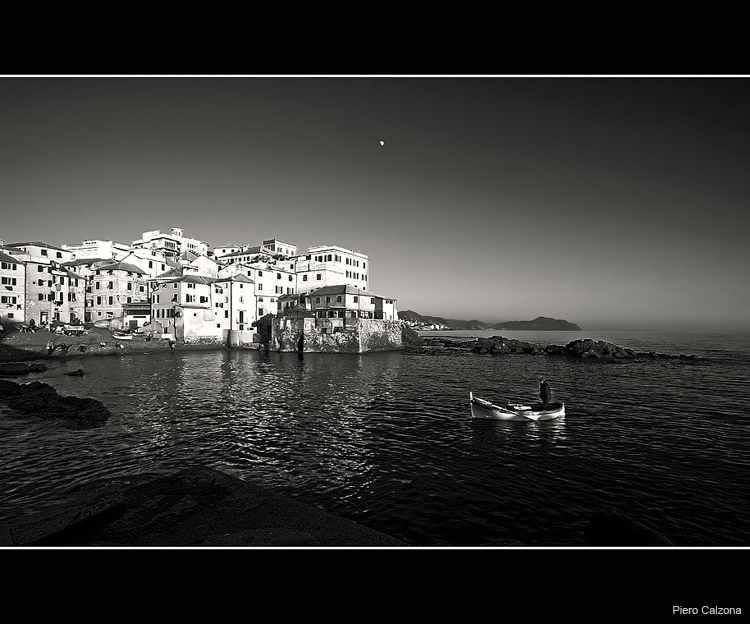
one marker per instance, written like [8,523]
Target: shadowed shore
[197,507]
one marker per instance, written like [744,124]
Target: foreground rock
[42,400]
[195,507]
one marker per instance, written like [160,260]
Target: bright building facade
[52,292]
[330,265]
[12,289]
[172,244]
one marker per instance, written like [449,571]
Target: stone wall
[380,335]
[291,334]
[237,338]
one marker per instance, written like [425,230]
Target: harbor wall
[302,336]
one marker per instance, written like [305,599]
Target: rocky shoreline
[499,345]
[17,348]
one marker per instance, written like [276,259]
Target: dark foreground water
[387,439]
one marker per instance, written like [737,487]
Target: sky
[617,203]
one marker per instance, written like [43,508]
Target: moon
[382,143]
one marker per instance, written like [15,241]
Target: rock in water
[40,399]
[9,369]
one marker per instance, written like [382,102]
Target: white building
[172,244]
[269,281]
[331,265]
[98,250]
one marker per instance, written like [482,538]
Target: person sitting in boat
[545,393]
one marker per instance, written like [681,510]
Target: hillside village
[179,288]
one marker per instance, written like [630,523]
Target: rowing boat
[482,409]
[122,336]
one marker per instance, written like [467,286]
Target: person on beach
[545,393]
[50,347]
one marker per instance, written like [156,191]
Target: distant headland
[540,323]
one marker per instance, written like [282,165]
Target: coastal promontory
[540,323]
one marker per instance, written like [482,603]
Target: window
[317,299]
[319,277]
[111,300]
[110,285]
[41,297]
[338,299]
[304,278]
[39,268]
[328,300]
[372,300]
[59,254]
[99,301]
[44,252]
[191,285]
[226,313]
[9,280]
[260,273]
[356,299]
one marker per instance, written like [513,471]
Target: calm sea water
[387,440]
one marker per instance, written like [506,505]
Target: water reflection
[388,438]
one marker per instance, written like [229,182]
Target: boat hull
[484,410]
[122,336]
